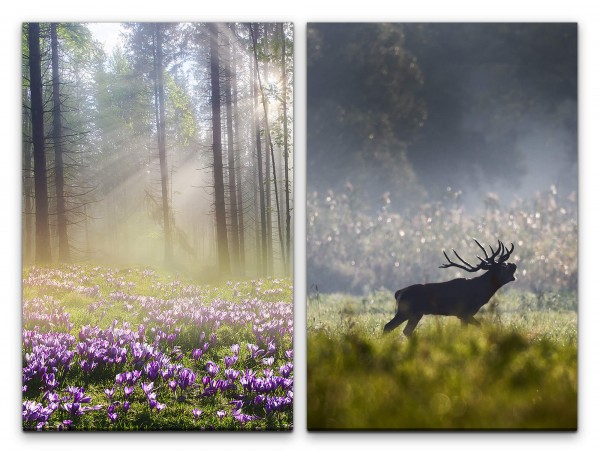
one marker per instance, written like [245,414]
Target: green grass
[518,371]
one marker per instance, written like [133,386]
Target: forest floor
[121,349]
[518,371]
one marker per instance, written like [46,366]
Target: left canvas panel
[157,226]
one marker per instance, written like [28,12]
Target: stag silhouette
[458,297]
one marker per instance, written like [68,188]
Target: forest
[157,226]
[120,159]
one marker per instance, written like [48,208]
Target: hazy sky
[107,34]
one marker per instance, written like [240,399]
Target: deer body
[458,297]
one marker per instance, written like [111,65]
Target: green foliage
[182,111]
[519,372]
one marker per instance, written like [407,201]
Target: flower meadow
[108,349]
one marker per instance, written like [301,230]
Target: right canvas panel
[442,226]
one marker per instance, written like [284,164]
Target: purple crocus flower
[126,406]
[147,388]
[31,410]
[212,368]
[112,414]
[268,361]
[135,376]
[271,347]
[235,349]
[127,391]
[51,397]
[230,361]
[237,404]
[152,369]
[172,385]
[81,397]
[50,381]
[186,378]
[255,352]
[109,392]
[73,408]
[242,417]
[231,374]
[286,369]
[197,413]
[220,414]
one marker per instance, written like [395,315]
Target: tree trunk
[162,147]
[285,154]
[257,228]
[269,145]
[261,186]
[42,229]
[27,187]
[64,254]
[220,215]
[269,208]
[238,167]
[235,244]
[279,229]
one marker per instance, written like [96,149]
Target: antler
[485,263]
[505,255]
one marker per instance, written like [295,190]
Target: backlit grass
[517,371]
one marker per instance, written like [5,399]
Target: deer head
[495,263]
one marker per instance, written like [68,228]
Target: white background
[13,12]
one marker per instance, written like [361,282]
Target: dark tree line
[179,138]
[423,107]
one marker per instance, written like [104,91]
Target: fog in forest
[415,109]
[421,136]
[121,162]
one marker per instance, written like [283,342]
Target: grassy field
[123,349]
[518,371]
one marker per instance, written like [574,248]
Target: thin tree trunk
[235,244]
[269,145]
[27,187]
[269,208]
[286,168]
[257,227]
[261,186]
[238,167]
[162,148]
[279,229]
[64,254]
[42,229]
[221,220]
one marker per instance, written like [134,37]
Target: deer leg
[412,323]
[395,322]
